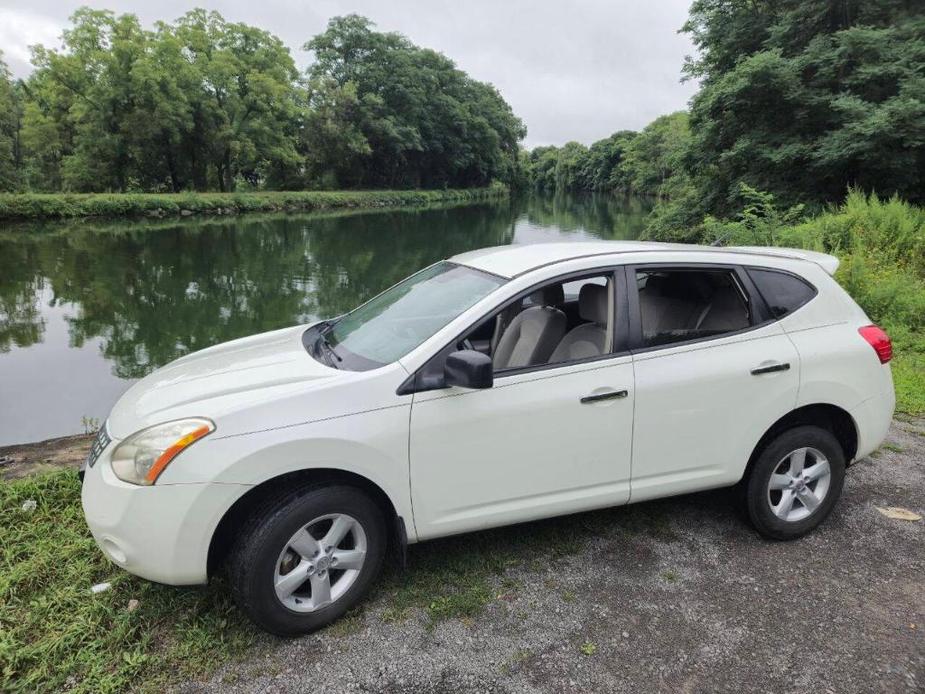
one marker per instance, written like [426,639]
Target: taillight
[879,340]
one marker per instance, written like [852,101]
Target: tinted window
[782,292]
[679,305]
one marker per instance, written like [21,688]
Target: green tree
[653,160]
[10,117]
[245,109]
[602,170]
[202,103]
[425,122]
[803,98]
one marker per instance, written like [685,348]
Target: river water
[87,308]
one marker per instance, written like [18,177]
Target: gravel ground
[678,595]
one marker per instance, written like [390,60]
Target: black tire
[758,505]
[253,560]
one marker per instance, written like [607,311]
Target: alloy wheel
[320,562]
[799,484]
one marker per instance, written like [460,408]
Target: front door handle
[771,368]
[612,395]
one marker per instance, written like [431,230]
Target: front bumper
[162,532]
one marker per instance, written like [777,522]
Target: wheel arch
[237,514]
[833,418]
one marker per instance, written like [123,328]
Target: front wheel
[795,482]
[304,560]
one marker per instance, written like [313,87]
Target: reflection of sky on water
[46,388]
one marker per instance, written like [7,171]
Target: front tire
[795,482]
[304,560]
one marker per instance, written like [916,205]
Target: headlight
[142,457]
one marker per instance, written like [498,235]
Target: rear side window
[782,292]
[677,305]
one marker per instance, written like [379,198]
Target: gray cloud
[572,70]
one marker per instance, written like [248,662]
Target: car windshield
[389,326]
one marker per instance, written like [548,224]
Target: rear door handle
[612,395]
[771,368]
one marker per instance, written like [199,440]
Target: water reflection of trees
[21,322]
[154,295]
[154,292]
[604,215]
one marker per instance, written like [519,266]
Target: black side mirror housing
[468,368]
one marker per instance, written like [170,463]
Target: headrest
[592,303]
[550,295]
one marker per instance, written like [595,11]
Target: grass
[32,206]
[588,648]
[671,576]
[56,635]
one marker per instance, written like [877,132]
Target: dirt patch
[30,458]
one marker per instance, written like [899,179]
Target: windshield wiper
[332,356]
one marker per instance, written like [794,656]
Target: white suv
[500,386]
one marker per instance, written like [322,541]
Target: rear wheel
[306,559]
[795,482]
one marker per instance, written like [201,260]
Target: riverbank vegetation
[206,104]
[801,99]
[23,206]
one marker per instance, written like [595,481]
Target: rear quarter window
[782,292]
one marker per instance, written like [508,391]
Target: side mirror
[468,368]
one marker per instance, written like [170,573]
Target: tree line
[798,99]
[207,104]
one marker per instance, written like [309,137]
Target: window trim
[770,314]
[620,321]
[759,315]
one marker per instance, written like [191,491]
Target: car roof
[513,260]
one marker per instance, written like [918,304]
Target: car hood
[222,379]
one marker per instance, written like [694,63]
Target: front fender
[373,445]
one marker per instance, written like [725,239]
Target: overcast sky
[576,70]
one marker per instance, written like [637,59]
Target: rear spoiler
[827,262]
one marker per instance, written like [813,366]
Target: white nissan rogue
[500,386]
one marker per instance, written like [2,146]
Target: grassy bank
[69,206]
[881,244]
[55,635]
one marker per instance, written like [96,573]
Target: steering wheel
[467,344]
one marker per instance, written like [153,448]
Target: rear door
[713,371]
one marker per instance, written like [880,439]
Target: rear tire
[795,482]
[303,560]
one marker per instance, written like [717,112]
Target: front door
[554,433]
[524,449]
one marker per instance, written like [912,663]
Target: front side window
[554,324]
[680,305]
[398,320]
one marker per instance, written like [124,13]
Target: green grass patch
[55,635]
[21,206]
[588,648]
[671,576]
